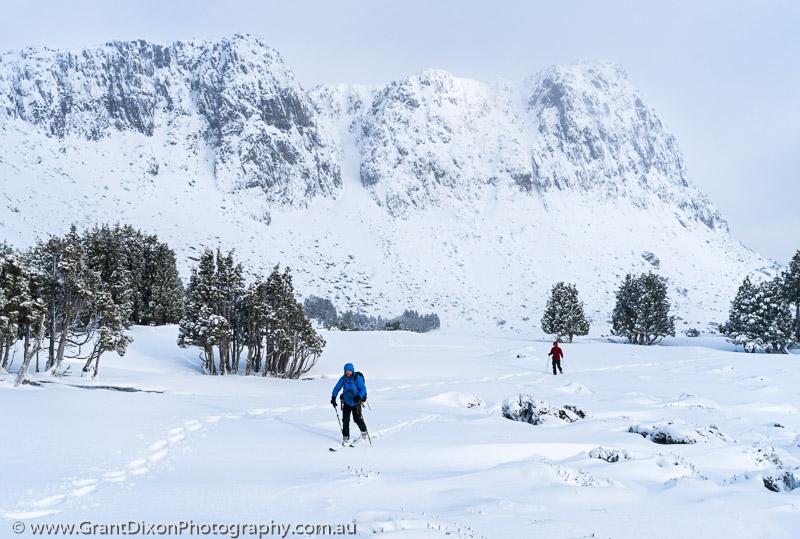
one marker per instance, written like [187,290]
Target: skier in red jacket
[557,354]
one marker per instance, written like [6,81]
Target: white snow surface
[444,462]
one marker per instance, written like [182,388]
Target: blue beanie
[349,367]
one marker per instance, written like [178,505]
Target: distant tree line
[74,296]
[761,316]
[223,316]
[323,310]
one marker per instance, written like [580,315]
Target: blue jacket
[351,387]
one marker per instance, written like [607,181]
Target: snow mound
[678,466]
[410,524]
[678,432]
[575,388]
[609,455]
[458,399]
[688,400]
[579,477]
[529,409]
[764,457]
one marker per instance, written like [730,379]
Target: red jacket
[556,352]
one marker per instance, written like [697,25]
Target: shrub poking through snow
[609,455]
[777,479]
[529,409]
[783,480]
[677,432]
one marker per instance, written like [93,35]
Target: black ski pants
[356,411]
[557,363]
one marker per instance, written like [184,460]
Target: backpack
[363,381]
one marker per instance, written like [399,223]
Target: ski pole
[335,409]
[361,412]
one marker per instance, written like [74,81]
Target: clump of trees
[761,315]
[141,272]
[323,310]
[641,313]
[73,296]
[223,316]
[563,316]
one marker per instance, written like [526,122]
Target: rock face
[594,133]
[436,193]
[582,128]
[235,95]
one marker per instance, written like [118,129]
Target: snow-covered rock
[677,432]
[529,409]
[235,100]
[609,455]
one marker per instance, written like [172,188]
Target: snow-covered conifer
[760,317]
[563,315]
[791,286]
[642,310]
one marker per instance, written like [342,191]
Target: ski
[356,441]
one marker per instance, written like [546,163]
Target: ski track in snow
[157,452]
[160,450]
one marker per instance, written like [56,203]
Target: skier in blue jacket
[354,392]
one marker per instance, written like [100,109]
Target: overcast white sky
[723,75]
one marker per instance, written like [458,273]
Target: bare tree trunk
[797,322]
[212,369]
[223,358]
[22,374]
[51,359]
[62,347]
[5,354]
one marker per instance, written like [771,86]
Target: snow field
[444,460]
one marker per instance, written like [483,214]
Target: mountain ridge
[434,186]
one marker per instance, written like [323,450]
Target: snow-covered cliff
[466,198]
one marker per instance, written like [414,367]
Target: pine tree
[773,323]
[623,318]
[231,291]
[108,323]
[22,311]
[738,327]
[197,327]
[69,288]
[653,321]
[321,309]
[563,315]
[642,310]
[791,285]
[140,271]
[165,305]
[760,317]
